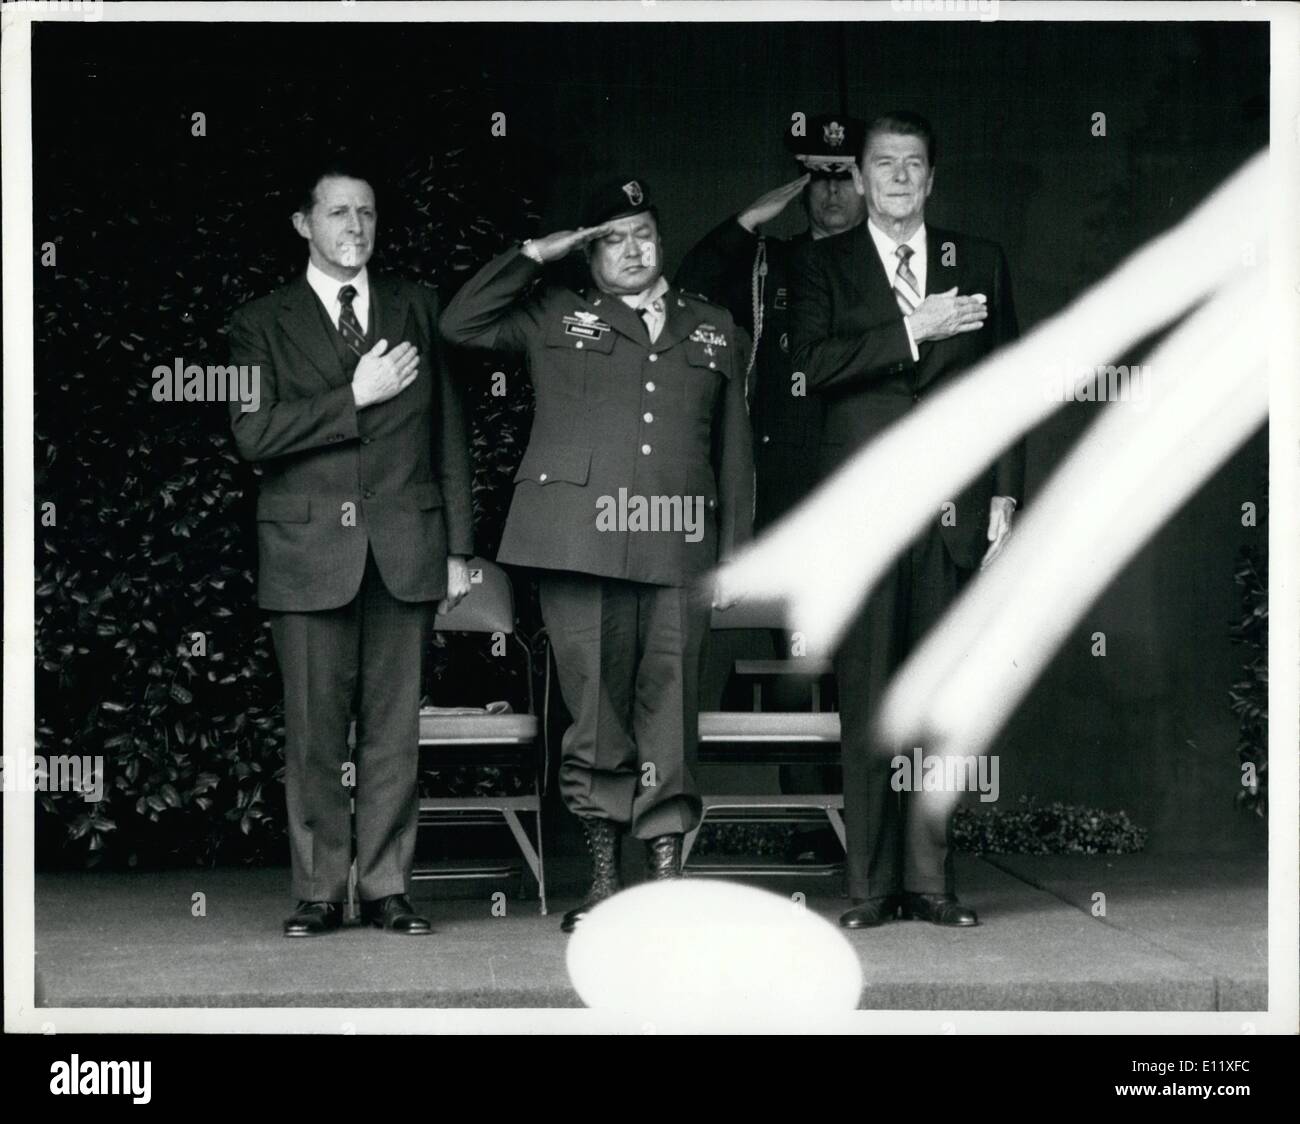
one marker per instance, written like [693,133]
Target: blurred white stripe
[1124,480]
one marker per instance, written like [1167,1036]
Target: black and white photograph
[641,518]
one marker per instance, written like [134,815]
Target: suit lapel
[300,320]
[939,278]
[869,270]
[389,305]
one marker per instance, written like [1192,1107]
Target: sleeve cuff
[916,354]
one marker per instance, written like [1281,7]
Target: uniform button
[653,357]
[365,440]
[649,417]
[766,439]
[650,387]
[645,449]
[712,364]
[578,345]
[542,478]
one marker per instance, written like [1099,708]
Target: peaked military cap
[831,144]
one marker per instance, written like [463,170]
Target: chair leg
[541,863]
[837,823]
[688,840]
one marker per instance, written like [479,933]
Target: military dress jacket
[639,464]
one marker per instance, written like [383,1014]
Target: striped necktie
[907,291]
[349,325]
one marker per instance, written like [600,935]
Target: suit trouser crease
[364,658]
[891,845]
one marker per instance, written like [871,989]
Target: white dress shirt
[327,289]
[887,248]
[652,300]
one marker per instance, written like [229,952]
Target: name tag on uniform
[707,333]
[585,325]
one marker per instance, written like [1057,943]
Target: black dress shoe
[396,914]
[313,919]
[939,909]
[869,913]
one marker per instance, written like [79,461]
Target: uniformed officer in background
[738,266]
[747,272]
[637,480]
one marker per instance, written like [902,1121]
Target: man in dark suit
[883,317]
[637,478]
[364,523]
[748,273]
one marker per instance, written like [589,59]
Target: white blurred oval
[693,948]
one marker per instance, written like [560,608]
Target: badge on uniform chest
[585,325]
[708,335]
[780,300]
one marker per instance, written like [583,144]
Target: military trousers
[891,846]
[628,656]
[361,659]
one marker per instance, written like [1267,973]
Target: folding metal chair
[759,736]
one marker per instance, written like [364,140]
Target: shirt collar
[327,288]
[646,296]
[887,247]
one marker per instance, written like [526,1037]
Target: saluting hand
[766,207]
[563,242]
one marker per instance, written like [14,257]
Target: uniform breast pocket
[706,370]
[574,358]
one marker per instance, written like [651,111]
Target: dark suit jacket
[849,339]
[402,465]
[614,411]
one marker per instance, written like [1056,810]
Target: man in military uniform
[637,479]
[748,272]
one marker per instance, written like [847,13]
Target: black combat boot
[604,843]
[664,857]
